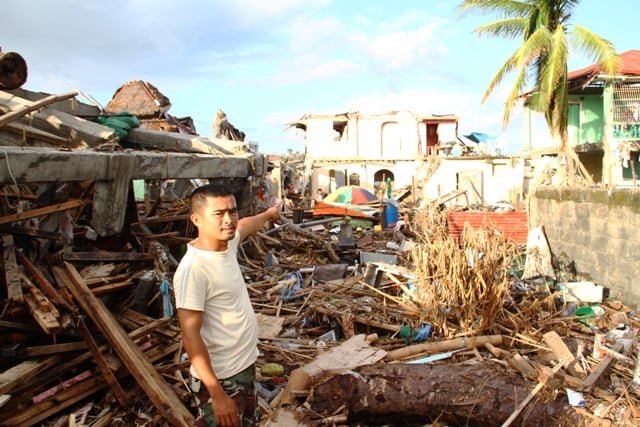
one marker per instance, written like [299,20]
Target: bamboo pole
[440,346]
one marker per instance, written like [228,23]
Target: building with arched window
[399,149]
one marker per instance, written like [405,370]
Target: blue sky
[267,63]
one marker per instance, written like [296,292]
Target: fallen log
[479,394]
[354,352]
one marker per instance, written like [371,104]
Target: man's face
[217,219]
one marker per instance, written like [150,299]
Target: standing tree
[541,60]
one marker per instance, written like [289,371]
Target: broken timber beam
[160,393]
[21,373]
[11,276]
[107,256]
[31,232]
[44,284]
[33,106]
[179,142]
[83,133]
[103,366]
[560,349]
[44,312]
[29,135]
[70,204]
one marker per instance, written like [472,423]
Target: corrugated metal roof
[629,66]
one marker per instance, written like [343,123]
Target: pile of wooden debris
[401,326]
[440,319]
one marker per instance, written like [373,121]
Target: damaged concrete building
[349,314]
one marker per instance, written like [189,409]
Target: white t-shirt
[212,282]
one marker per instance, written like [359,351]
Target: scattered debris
[360,319]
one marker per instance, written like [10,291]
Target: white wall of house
[537,135]
[376,146]
[331,176]
[486,180]
[393,136]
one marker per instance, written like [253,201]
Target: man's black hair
[209,190]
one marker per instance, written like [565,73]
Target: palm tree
[540,62]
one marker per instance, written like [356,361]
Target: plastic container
[587,292]
[390,216]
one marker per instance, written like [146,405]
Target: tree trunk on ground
[483,394]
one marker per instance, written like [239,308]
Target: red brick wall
[513,225]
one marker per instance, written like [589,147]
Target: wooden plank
[24,371]
[29,327]
[145,324]
[33,106]
[20,216]
[46,320]
[533,392]
[523,366]
[596,373]
[112,287]
[106,256]
[159,392]
[34,133]
[83,133]
[44,284]
[42,350]
[161,219]
[11,276]
[94,281]
[40,411]
[31,232]
[42,310]
[37,412]
[560,349]
[106,372]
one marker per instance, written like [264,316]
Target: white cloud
[255,58]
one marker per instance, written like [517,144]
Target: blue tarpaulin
[479,137]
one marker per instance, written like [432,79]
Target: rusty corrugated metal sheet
[513,225]
[629,66]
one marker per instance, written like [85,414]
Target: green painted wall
[591,118]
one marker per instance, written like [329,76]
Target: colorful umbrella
[351,194]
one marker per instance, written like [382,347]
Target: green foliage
[540,63]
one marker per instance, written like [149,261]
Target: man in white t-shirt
[219,327]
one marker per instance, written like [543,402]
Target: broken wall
[593,234]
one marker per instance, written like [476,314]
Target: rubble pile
[90,335]
[361,322]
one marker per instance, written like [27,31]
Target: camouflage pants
[241,387]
